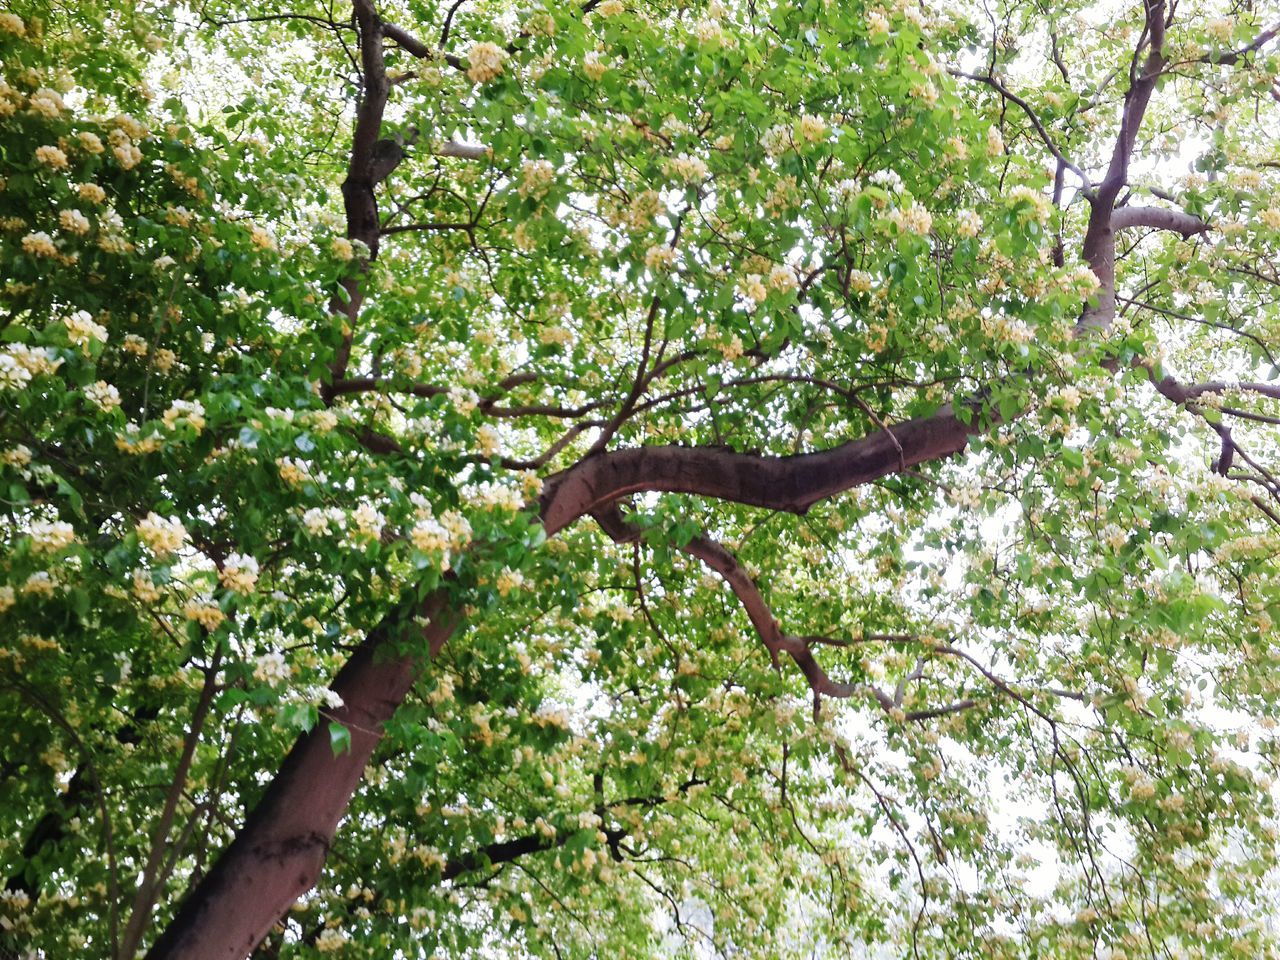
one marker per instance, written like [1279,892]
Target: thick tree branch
[1158,218]
[464,151]
[1173,389]
[716,557]
[411,44]
[792,484]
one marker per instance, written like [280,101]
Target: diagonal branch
[1232,57]
[715,556]
[1036,122]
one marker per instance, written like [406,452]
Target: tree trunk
[278,854]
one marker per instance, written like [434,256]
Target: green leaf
[339,739]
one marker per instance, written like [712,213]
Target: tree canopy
[633,478]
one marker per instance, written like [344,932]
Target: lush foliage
[252,419]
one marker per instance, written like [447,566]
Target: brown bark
[1158,218]
[278,853]
[1099,248]
[793,484]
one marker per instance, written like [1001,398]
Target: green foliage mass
[234,434]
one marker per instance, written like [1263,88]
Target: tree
[417,417]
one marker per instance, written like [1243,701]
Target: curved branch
[1158,218]
[464,151]
[792,484]
[1099,247]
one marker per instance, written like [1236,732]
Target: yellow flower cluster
[103,395]
[925,92]
[162,535]
[783,279]
[687,169]
[660,258]
[812,129]
[185,181]
[451,531]
[369,521]
[968,223]
[17,457]
[485,61]
[540,25]
[123,137]
[239,573]
[20,363]
[488,441]
[51,157]
[144,588]
[47,103]
[10,99]
[73,221]
[51,536]
[261,239]
[593,68]
[508,581]
[1007,329]
[860,281]
[131,443]
[1041,207]
[753,288]
[91,192]
[342,249]
[912,219]
[204,612]
[331,941]
[39,245]
[730,347]
[292,471]
[556,335]
[1221,29]
[83,330]
[272,669]
[536,177]
[995,142]
[190,411]
[709,32]
[40,583]
[317,520]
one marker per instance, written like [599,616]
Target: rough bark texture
[278,854]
